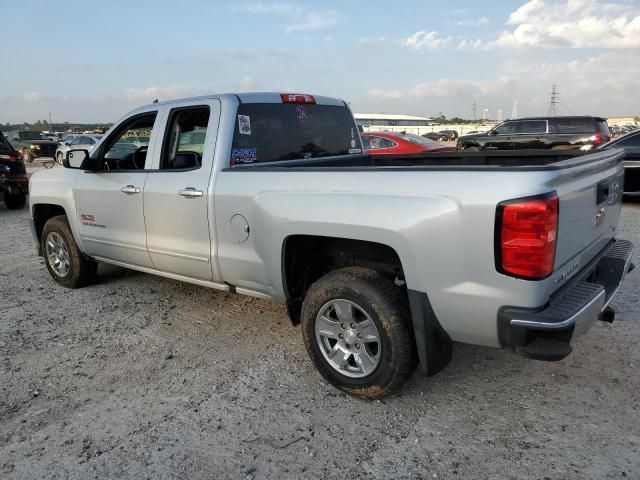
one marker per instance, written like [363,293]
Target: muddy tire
[357,330]
[66,264]
[15,202]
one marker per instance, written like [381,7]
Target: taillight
[297,98]
[16,158]
[597,138]
[526,236]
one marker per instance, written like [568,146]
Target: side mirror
[67,143]
[75,159]
[16,139]
[491,132]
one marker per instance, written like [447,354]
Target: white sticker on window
[354,150]
[244,124]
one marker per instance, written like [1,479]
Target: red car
[385,143]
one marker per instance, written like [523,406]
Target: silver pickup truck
[383,261]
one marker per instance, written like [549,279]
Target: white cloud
[314,21]
[428,40]
[302,19]
[262,7]
[478,22]
[447,88]
[164,92]
[571,23]
[371,40]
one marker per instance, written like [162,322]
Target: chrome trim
[253,293]
[179,255]
[173,276]
[575,318]
[113,244]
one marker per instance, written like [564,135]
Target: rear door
[178,199]
[530,134]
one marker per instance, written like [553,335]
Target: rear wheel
[15,201]
[28,158]
[356,328]
[66,264]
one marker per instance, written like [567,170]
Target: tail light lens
[526,236]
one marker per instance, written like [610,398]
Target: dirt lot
[142,377]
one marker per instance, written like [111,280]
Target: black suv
[540,133]
[14,183]
[32,144]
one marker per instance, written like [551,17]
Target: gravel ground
[144,377]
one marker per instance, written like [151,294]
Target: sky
[89,61]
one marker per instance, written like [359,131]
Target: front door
[177,200]
[501,137]
[109,201]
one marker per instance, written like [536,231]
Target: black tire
[59,158]
[16,201]
[471,149]
[386,304]
[82,270]
[26,155]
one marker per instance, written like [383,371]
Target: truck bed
[484,160]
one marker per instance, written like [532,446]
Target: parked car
[449,134]
[87,142]
[630,142]
[384,261]
[435,136]
[557,133]
[384,143]
[32,144]
[14,183]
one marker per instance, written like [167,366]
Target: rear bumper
[15,184]
[546,333]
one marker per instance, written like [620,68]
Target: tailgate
[590,196]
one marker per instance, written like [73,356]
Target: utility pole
[514,111]
[499,119]
[474,110]
[50,124]
[553,101]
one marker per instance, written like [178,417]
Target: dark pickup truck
[557,133]
[32,144]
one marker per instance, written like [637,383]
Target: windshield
[34,136]
[268,132]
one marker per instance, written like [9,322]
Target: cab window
[505,129]
[531,126]
[126,148]
[184,140]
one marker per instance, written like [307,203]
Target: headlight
[35,147]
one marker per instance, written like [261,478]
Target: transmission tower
[485,115]
[554,99]
[475,112]
[499,119]
[514,111]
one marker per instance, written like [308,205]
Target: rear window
[268,132]
[576,125]
[33,136]
[603,127]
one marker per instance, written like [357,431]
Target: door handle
[190,192]
[130,189]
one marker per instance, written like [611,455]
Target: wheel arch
[306,258]
[41,212]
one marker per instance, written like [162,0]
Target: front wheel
[16,201]
[28,158]
[357,330]
[65,262]
[59,157]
